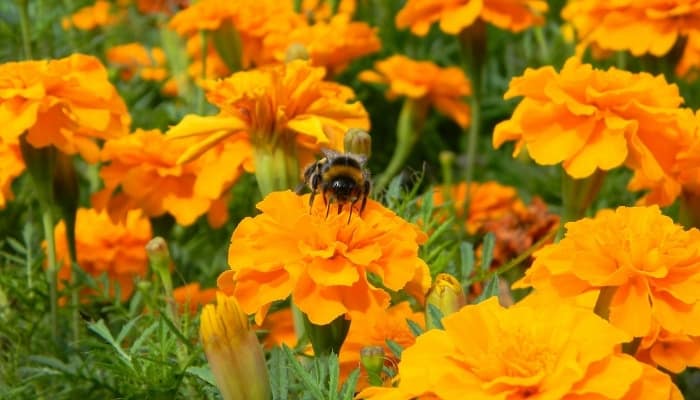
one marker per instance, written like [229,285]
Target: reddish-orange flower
[656,272]
[278,329]
[65,103]
[191,297]
[444,88]
[591,119]
[105,247]
[455,15]
[333,44]
[555,351]
[374,328]
[143,172]
[90,17]
[11,166]
[323,263]
[639,27]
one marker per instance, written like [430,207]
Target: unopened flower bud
[358,141]
[159,259]
[447,295]
[233,351]
[296,51]
[372,360]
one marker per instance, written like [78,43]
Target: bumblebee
[340,178]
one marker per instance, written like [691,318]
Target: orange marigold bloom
[639,27]
[142,171]
[319,10]
[11,166]
[455,15]
[253,20]
[278,329]
[192,297]
[91,17]
[374,328]
[656,272]
[554,352]
[105,247]
[590,119]
[65,103]
[672,351]
[131,58]
[333,44]
[444,88]
[324,263]
[276,104]
[689,64]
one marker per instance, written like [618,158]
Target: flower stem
[327,338]
[276,165]
[689,213]
[24,24]
[52,271]
[408,129]
[577,196]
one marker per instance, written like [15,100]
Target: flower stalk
[577,196]
[24,24]
[372,360]
[602,305]
[276,164]
[689,214]
[329,338]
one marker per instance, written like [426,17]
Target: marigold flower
[278,329]
[11,166]
[444,88]
[324,263]
[688,66]
[333,44]
[131,58]
[374,328]
[672,351]
[656,272]
[591,119]
[320,10]
[556,351]
[106,247]
[639,27]
[271,107]
[65,103]
[160,6]
[87,18]
[233,351]
[253,21]
[191,297]
[143,172]
[455,15]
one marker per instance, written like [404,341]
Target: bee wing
[300,188]
[330,154]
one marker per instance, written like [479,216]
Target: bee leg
[364,196]
[328,206]
[340,208]
[350,215]
[311,200]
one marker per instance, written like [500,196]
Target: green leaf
[490,290]
[347,392]
[142,338]
[435,316]
[204,373]
[466,261]
[304,377]
[279,381]
[333,376]
[414,327]
[487,251]
[126,328]
[394,347]
[53,363]
[101,330]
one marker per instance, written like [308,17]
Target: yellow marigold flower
[374,328]
[131,58]
[191,297]
[333,44]
[105,247]
[11,166]
[90,17]
[253,20]
[142,171]
[66,103]
[672,351]
[655,272]
[233,351]
[324,263]
[455,15]
[590,119]
[282,103]
[278,329]
[444,88]
[556,351]
[639,27]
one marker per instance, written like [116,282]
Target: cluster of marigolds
[615,309]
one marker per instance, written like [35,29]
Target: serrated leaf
[490,290]
[304,377]
[142,338]
[394,347]
[333,376]
[126,328]
[434,317]
[53,363]
[278,375]
[487,251]
[102,331]
[447,225]
[347,392]
[204,373]
[416,330]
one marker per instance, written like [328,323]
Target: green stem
[577,196]
[70,7]
[52,270]
[276,164]
[24,24]
[602,305]
[326,339]
[408,129]
[545,55]
[689,212]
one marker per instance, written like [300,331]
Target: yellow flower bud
[233,351]
[358,141]
[447,295]
[296,51]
